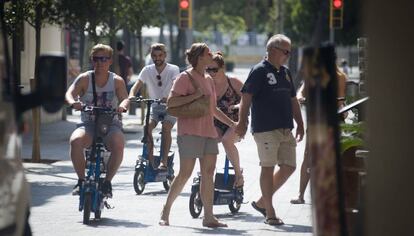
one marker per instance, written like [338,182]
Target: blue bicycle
[91,198]
[224,192]
[144,172]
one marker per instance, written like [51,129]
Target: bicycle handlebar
[146,100]
[92,109]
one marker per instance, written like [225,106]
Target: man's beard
[159,62]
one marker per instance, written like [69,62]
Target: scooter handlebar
[146,100]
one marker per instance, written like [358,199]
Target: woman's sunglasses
[212,70]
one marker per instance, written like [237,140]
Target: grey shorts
[89,128]
[191,146]
[159,113]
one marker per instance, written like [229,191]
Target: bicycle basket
[103,121]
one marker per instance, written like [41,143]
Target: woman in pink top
[197,137]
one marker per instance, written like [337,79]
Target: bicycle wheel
[196,206]
[87,205]
[139,184]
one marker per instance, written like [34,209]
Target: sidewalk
[54,210]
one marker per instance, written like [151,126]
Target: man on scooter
[158,78]
[109,91]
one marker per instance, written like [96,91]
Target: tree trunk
[81,49]
[173,46]
[141,61]
[317,36]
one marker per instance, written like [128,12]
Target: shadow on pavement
[50,170]
[43,191]
[221,231]
[244,216]
[296,228]
[116,223]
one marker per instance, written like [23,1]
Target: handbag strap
[192,80]
[95,102]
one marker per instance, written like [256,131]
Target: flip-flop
[274,221]
[163,223]
[297,201]
[163,167]
[259,209]
[214,224]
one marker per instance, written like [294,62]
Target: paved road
[54,210]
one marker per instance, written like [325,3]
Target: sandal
[162,167]
[214,224]
[163,222]
[259,209]
[274,221]
[297,201]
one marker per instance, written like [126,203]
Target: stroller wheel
[196,206]
[139,184]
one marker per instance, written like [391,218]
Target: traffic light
[336,14]
[185,18]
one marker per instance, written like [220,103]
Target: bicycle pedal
[106,204]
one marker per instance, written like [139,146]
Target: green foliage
[352,135]
[134,14]
[107,15]
[299,24]
[25,10]
[301,19]
[216,17]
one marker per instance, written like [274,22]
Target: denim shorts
[192,146]
[159,113]
[89,128]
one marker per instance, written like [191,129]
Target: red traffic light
[184,4]
[337,4]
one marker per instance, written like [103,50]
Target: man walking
[125,63]
[159,79]
[270,92]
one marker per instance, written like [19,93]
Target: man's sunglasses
[159,80]
[212,70]
[101,59]
[285,51]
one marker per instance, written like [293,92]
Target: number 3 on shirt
[272,78]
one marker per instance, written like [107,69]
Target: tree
[35,12]
[104,18]
[309,19]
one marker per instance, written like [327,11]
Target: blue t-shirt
[272,91]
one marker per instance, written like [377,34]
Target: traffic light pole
[332,35]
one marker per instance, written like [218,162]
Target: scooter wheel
[196,206]
[98,214]
[167,183]
[234,206]
[87,205]
[139,184]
